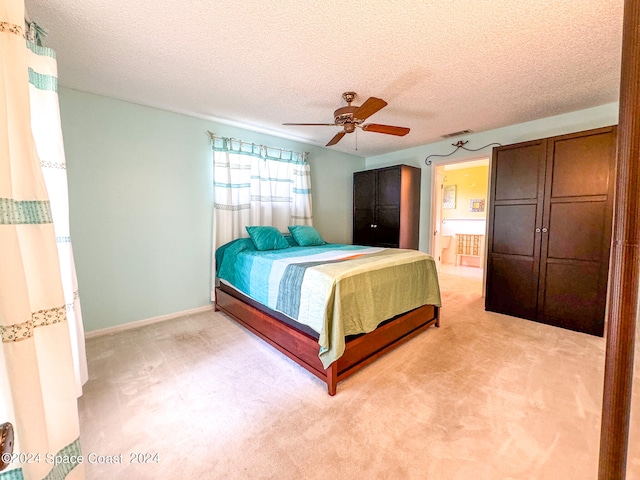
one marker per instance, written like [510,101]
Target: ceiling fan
[352,117]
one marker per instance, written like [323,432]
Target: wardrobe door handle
[544,229]
[537,230]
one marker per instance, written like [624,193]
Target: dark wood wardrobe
[550,222]
[386,207]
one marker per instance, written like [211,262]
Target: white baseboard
[146,321]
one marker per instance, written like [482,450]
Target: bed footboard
[302,348]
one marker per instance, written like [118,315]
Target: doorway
[459,216]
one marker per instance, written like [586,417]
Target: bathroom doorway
[459,216]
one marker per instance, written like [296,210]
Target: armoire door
[364,201]
[576,230]
[387,225]
[515,220]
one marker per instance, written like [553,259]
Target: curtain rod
[213,137]
[460,145]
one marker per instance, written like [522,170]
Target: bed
[331,308]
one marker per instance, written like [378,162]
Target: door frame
[435,230]
[437,180]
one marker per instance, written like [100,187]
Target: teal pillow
[291,241]
[267,238]
[306,235]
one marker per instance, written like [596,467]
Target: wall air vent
[457,134]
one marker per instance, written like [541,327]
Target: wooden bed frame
[303,348]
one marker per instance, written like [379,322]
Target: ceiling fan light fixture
[344,115]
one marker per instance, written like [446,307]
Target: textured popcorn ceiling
[443,66]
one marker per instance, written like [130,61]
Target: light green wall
[140,193]
[571,122]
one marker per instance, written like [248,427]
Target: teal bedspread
[337,290]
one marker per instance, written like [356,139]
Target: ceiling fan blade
[388,129]
[338,136]
[368,108]
[312,124]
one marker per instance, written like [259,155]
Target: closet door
[515,224]
[576,230]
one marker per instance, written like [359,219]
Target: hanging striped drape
[47,134]
[35,344]
[257,185]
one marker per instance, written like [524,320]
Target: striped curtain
[47,134]
[257,185]
[37,362]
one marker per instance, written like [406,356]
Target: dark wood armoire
[550,223]
[386,207]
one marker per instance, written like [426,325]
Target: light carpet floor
[485,396]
